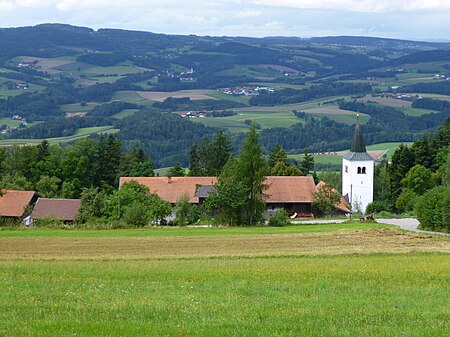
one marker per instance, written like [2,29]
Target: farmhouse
[294,194]
[58,209]
[13,204]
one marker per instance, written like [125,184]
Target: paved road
[316,221]
[409,224]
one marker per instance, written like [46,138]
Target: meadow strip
[375,295]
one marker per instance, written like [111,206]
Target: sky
[404,19]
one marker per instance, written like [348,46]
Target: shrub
[446,211]
[379,206]
[406,200]
[48,222]
[430,208]
[182,210]
[280,219]
[136,215]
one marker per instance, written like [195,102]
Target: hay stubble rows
[376,240]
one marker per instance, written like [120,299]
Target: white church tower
[357,173]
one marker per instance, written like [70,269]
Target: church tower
[357,173]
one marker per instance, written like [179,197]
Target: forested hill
[64,82]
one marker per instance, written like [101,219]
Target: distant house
[59,209]
[294,194]
[13,203]
[343,207]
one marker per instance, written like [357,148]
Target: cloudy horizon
[403,19]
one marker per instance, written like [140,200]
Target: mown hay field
[358,281]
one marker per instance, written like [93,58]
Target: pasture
[10,122]
[337,114]
[388,101]
[377,151]
[267,119]
[329,280]
[80,133]
[47,65]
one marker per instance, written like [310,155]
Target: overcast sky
[405,19]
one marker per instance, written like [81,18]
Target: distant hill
[64,82]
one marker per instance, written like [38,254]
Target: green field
[281,115]
[415,112]
[377,149]
[80,133]
[239,99]
[304,280]
[76,107]
[267,119]
[5,93]
[320,159]
[131,97]
[125,113]
[10,122]
[114,70]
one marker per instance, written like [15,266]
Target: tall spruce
[253,168]
[210,157]
[402,161]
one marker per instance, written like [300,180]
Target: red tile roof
[171,189]
[280,189]
[343,204]
[13,203]
[290,189]
[60,209]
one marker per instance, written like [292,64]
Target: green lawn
[365,293]
[375,295]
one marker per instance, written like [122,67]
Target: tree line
[55,171]
[417,179]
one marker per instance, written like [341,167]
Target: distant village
[244,91]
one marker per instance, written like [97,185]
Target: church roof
[358,141]
[358,156]
[358,151]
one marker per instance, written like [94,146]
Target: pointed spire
[358,141]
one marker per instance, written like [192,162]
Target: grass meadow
[351,279]
[80,133]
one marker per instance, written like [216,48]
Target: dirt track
[334,243]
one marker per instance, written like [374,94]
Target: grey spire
[358,141]
[358,151]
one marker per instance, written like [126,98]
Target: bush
[182,210]
[406,200]
[379,206]
[136,215]
[430,209]
[48,222]
[280,219]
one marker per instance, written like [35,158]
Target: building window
[363,170]
[359,170]
[346,169]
